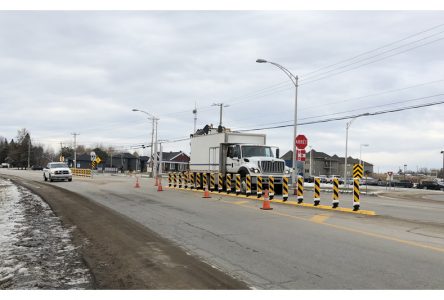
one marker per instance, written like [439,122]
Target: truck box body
[206,149]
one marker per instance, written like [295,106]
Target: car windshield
[59,165]
[250,151]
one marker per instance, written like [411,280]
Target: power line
[349,116]
[374,50]
[362,65]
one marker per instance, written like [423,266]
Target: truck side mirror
[277,153]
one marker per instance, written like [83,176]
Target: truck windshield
[249,151]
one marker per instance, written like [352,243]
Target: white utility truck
[226,152]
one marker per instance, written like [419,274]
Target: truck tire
[44,177]
[50,179]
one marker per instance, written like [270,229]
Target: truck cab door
[233,158]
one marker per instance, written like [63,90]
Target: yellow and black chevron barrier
[228,183]
[238,184]
[205,180]
[175,179]
[358,171]
[356,203]
[300,188]
[335,202]
[192,182]
[187,179]
[317,191]
[198,180]
[220,182]
[169,179]
[248,180]
[212,181]
[259,186]
[271,187]
[180,178]
[285,188]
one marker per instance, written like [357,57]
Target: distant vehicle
[36,168]
[430,185]
[330,179]
[323,178]
[404,183]
[372,181]
[5,165]
[57,171]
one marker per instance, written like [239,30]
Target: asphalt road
[289,247]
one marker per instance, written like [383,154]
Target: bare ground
[123,254]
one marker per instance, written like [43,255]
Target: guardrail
[81,172]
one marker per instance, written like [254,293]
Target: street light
[154,119]
[405,167]
[347,126]
[294,80]
[442,152]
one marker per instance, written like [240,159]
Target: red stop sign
[301,141]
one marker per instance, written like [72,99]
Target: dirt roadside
[123,254]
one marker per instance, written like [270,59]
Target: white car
[57,171]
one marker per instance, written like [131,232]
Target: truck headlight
[254,170]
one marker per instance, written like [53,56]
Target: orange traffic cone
[206,193]
[266,203]
[137,185]
[159,186]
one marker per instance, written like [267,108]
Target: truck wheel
[70,179]
[50,179]
[44,177]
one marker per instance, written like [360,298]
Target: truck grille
[276,167]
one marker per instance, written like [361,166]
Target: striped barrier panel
[259,186]
[175,179]
[228,183]
[180,179]
[335,202]
[198,180]
[212,182]
[271,187]
[238,184]
[169,179]
[220,182]
[248,181]
[186,179]
[317,191]
[81,172]
[356,203]
[192,182]
[205,180]
[300,188]
[285,188]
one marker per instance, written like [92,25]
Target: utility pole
[221,105]
[75,149]
[29,152]
[195,117]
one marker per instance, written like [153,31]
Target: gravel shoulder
[123,254]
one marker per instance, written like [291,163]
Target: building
[320,163]
[174,161]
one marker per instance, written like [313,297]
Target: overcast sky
[83,72]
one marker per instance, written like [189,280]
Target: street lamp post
[154,119]
[442,152]
[405,167]
[294,80]
[347,126]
